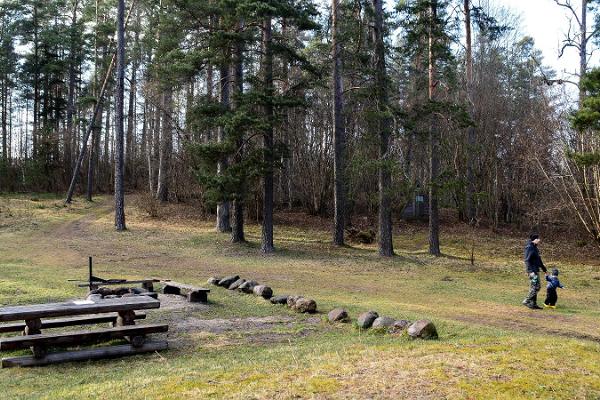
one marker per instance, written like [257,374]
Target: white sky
[547,23]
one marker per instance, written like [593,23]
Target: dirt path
[80,227]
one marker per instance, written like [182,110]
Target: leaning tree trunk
[267,66]
[339,133]
[386,247]
[237,228]
[88,131]
[434,143]
[119,134]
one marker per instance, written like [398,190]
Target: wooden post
[90,268]
[125,318]
[33,326]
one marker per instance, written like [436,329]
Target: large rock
[291,300]
[400,326]
[236,284]
[422,329]
[383,323]
[305,305]
[247,286]
[228,280]
[214,280]
[263,291]
[365,320]
[338,315]
[281,299]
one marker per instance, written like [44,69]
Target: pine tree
[339,130]
[119,110]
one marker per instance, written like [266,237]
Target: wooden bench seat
[61,322]
[146,283]
[79,337]
[193,294]
[85,355]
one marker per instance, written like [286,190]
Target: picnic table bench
[147,284]
[122,316]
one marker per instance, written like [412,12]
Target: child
[553,283]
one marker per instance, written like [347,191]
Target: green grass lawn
[490,346]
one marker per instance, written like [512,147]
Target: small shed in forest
[417,207]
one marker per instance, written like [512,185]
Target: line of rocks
[421,329]
[234,282]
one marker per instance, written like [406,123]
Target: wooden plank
[81,307]
[84,355]
[109,283]
[62,322]
[185,286]
[80,337]
[196,296]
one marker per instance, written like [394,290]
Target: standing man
[533,264]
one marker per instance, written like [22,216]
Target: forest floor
[242,347]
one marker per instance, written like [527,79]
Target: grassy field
[242,347]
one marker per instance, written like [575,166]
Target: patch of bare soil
[183,327]
[235,324]
[78,228]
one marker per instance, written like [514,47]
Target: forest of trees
[342,108]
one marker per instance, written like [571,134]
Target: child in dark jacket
[553,284]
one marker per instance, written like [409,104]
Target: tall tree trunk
[36,84]
[155,147]
[209,94]
[166,146]
[4,98]
[386,247]
[267,67]
[339,132]
[107,145]
[223,224]
[150,147]
[119,109]
[471,134]
[434,142]
[72,88]
[237,228]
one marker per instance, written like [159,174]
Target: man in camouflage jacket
[533,264]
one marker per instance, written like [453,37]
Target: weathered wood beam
[84,355]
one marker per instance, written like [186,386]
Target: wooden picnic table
[77,307]
[123,326]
